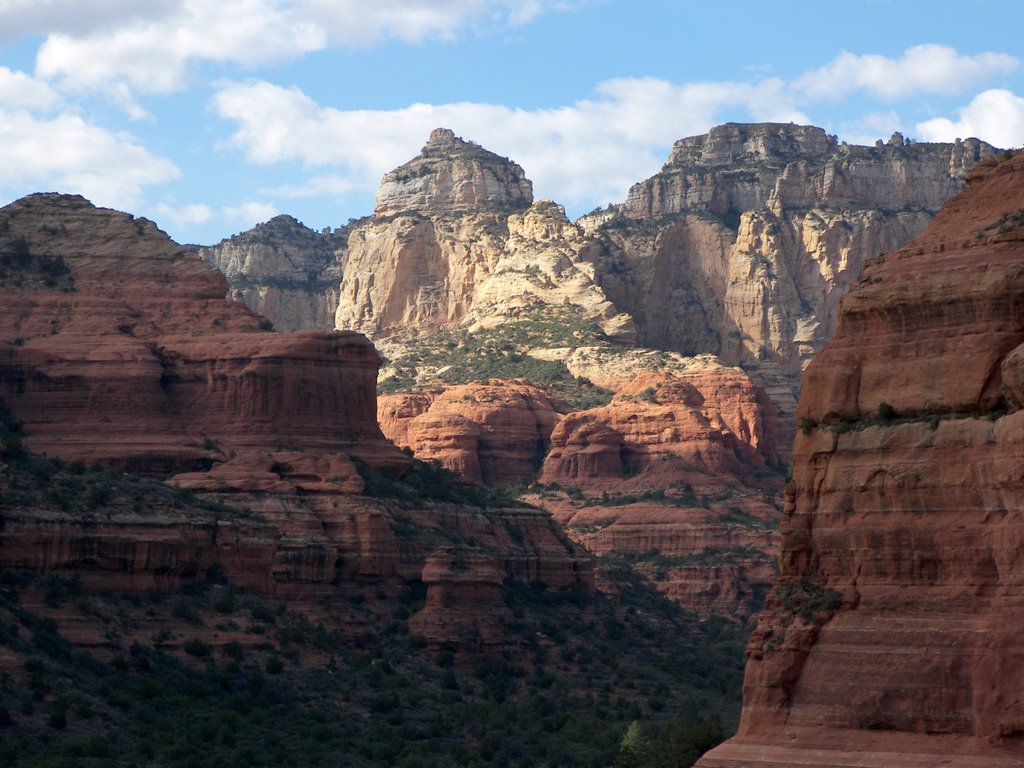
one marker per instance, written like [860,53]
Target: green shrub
[196,647]
[807,600]
[807,424]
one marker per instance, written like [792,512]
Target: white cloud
[19,90]
[184,215]
[922,69]
[153,55]
[594,148]
[26,17]
[248,214]
[154,52]
[996,116]
[67,154]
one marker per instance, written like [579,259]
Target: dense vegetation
[212,675]
[297,694]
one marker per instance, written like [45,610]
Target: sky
[210,116]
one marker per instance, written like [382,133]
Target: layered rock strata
[453,175]
[891,638]
[144,365]
[695,429]
[284,271]
[747,239]
[119,347]
[674,476]
[705,435]
[495,433]
[456,238]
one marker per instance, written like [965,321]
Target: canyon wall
[673,475]
[118,347]
[891,637]
[456,238]
[744,243]
[741,246]
[735,255]
[284,271]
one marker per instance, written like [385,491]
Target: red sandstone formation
[704,429]
[144,364]
[494,433]
[892,638]
[135,359]
[710,430]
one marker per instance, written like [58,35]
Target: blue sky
[209,116]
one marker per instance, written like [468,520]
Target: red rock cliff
[143,364]
[116,345]
[893,635]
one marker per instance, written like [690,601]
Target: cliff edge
[892,636]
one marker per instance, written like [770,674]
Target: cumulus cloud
[154,52]
[65,153]
[997,116]
[593,148]
[153,55]
[921,69]
[248,214]
[75,17]
[19,90]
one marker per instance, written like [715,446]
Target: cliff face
[284,271]
[738,167]
[456,238]
[145,352]
[118,347]
[672,474]
[747,239]
[494,433]
[453,176]
[890,639]
[741,248]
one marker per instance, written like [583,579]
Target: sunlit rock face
[745,242]
[892,636]
[456,238]
[284,271]
[451,175]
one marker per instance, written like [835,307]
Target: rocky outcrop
[494,432]
[697,431]
[888,640]
[741,247]
[673,475]
[738,251]
[456,239]
[453,176]
[284,271]
[744,243]
[145,352]
[119,347]
[739,167]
